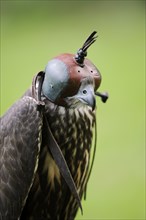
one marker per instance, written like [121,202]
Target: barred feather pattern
[50,197]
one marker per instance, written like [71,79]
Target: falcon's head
[72,80]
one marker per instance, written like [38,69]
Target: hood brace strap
[52,144]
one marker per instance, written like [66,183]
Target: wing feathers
[19,147]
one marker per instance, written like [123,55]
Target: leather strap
[61,163]
[52,144]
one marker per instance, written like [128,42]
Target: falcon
[46,139]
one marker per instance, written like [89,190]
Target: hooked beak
[87,96]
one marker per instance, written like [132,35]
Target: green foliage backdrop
[32,32]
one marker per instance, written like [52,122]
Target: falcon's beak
[88,97]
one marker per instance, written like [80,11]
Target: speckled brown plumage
[50,197]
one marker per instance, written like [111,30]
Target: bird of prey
[46,138]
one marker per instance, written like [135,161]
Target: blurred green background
[32,32]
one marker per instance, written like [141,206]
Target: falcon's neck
[70,124]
